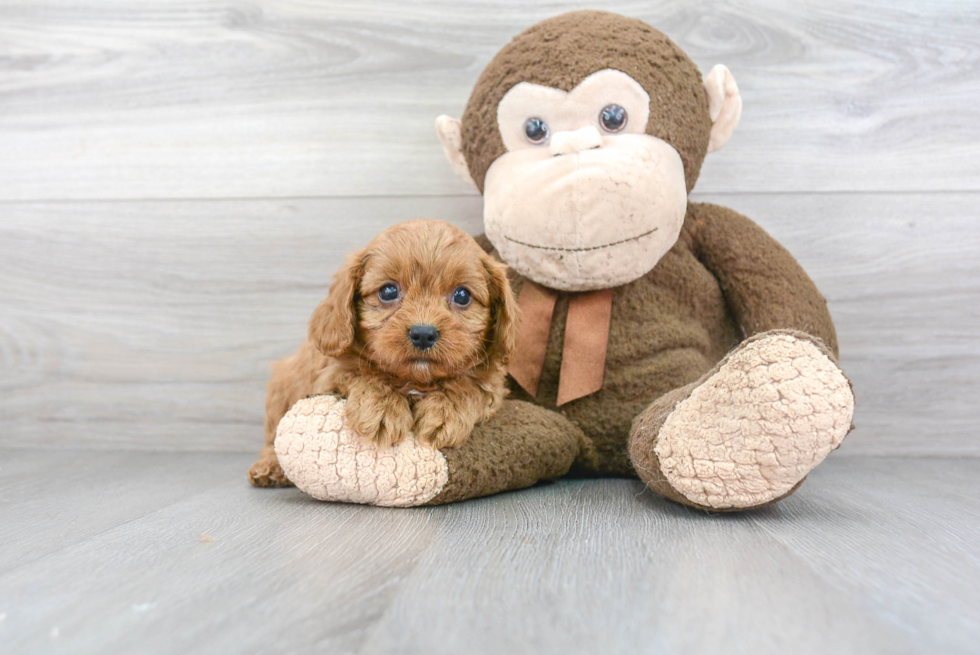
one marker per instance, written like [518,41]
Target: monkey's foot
[750,430]
[329,461]
[517,448]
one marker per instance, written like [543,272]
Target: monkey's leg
[748,432]
[520,446]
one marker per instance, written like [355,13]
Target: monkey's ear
[451,137]
[335,319]
[724,105]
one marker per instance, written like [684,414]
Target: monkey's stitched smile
[605,245]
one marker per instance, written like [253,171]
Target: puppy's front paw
[383,417]
[440,423]
[266,472]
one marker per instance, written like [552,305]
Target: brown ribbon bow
[584,350]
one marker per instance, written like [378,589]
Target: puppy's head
[423,301]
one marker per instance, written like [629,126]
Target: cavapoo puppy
[416,333]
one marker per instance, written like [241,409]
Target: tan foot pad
[324,458]
[746,435]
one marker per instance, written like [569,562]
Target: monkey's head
[585,134]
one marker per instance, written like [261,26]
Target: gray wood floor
[136,552]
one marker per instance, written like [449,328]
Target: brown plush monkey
[672,340]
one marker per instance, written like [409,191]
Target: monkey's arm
[519,446]
[763,284]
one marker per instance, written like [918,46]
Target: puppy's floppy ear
[334,321]
[502,336]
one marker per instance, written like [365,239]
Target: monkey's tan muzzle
[566,143]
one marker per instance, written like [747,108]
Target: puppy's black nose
[423,336]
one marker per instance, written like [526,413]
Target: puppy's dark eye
[388,293]
[613,118]
[461,297]
[536,130]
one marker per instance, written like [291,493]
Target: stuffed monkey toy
[661,338]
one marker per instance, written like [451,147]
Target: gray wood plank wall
[178,180]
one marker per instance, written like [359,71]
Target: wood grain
[219,99]
[876,554]
[219,569]
[52,500]
[151,324]
[872,555]
[155,323]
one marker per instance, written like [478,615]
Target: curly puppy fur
[359,345]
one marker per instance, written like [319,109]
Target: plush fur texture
[670,332]
[359,345]
[749,430]
[520,446]
[684,338]
[723,280]
[562,51]
[321,455]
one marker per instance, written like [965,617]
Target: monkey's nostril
[423,337]
[572,152]
[565,143]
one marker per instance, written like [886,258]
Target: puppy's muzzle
[423,337]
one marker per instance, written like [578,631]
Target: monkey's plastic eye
[461,297]
[536,130]
[388,293]
[613,118]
